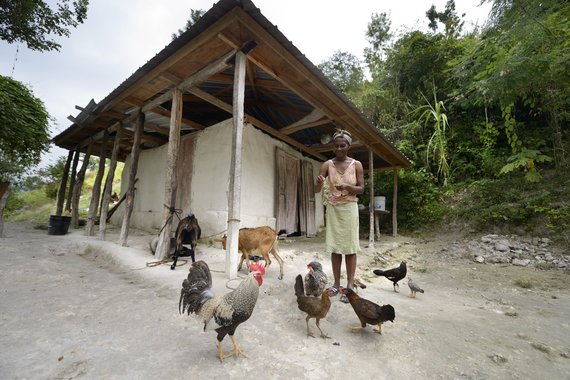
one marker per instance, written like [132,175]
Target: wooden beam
[371,199]
[235,167]
[145,137]
[193,80]
[395,205]
[108,188]
[135,152]
[170,183]
[63,185]
[292,129]
[258,123]
[156,101]
[96,191]
[163,112]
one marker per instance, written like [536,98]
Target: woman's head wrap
[343,134]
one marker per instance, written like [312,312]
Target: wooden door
[308,199]
[288,175]
[295,195]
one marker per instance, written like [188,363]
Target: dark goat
[187,232]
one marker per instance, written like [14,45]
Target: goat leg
[175,260]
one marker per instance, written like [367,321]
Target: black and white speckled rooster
[223,313]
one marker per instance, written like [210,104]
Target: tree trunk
[4,192]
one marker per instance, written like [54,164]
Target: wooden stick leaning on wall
[109,183]
[96,192]
[130,193]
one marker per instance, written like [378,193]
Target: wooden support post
[109,183]
[63,185]
[77,187]
[72,180]
[135,151]
[96,192]
[235,167]
[163,247]
[395,205]
[371,200]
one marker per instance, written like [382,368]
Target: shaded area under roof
[286,96]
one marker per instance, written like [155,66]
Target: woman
[342,179]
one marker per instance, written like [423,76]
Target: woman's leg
[350,270]
[336,261]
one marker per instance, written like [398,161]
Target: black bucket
[58,225]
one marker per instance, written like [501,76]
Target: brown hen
[315,307]
[369,312]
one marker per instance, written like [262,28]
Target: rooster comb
[257,267]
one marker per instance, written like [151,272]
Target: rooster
[368,312]
[314,307]
[315,280]
[394,274]
[223,313]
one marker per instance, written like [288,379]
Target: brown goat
[262,239]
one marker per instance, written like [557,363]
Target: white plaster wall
[210,181]
[149,193]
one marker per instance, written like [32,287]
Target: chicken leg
[237,349]
[221,354]
[309,333]
[323,335]
[379,331]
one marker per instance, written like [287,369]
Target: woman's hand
[320,180]
[341,187]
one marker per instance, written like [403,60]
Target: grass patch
[545,266]
[525,284]
[541,347]
[421,270]
[511,314]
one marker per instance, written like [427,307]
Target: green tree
[449,18]
[195,15]
[24,134]
[344,70]
[34,23]
[519,68]
[378,35]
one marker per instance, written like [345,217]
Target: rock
[499,359]
[521,262]
[480,259]
[501,246]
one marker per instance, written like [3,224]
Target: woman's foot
[333,291]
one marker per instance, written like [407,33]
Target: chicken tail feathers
[196,288]
[299,287]
[378,272]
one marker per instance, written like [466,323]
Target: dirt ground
[76,307]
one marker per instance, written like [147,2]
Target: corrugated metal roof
[275,98]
